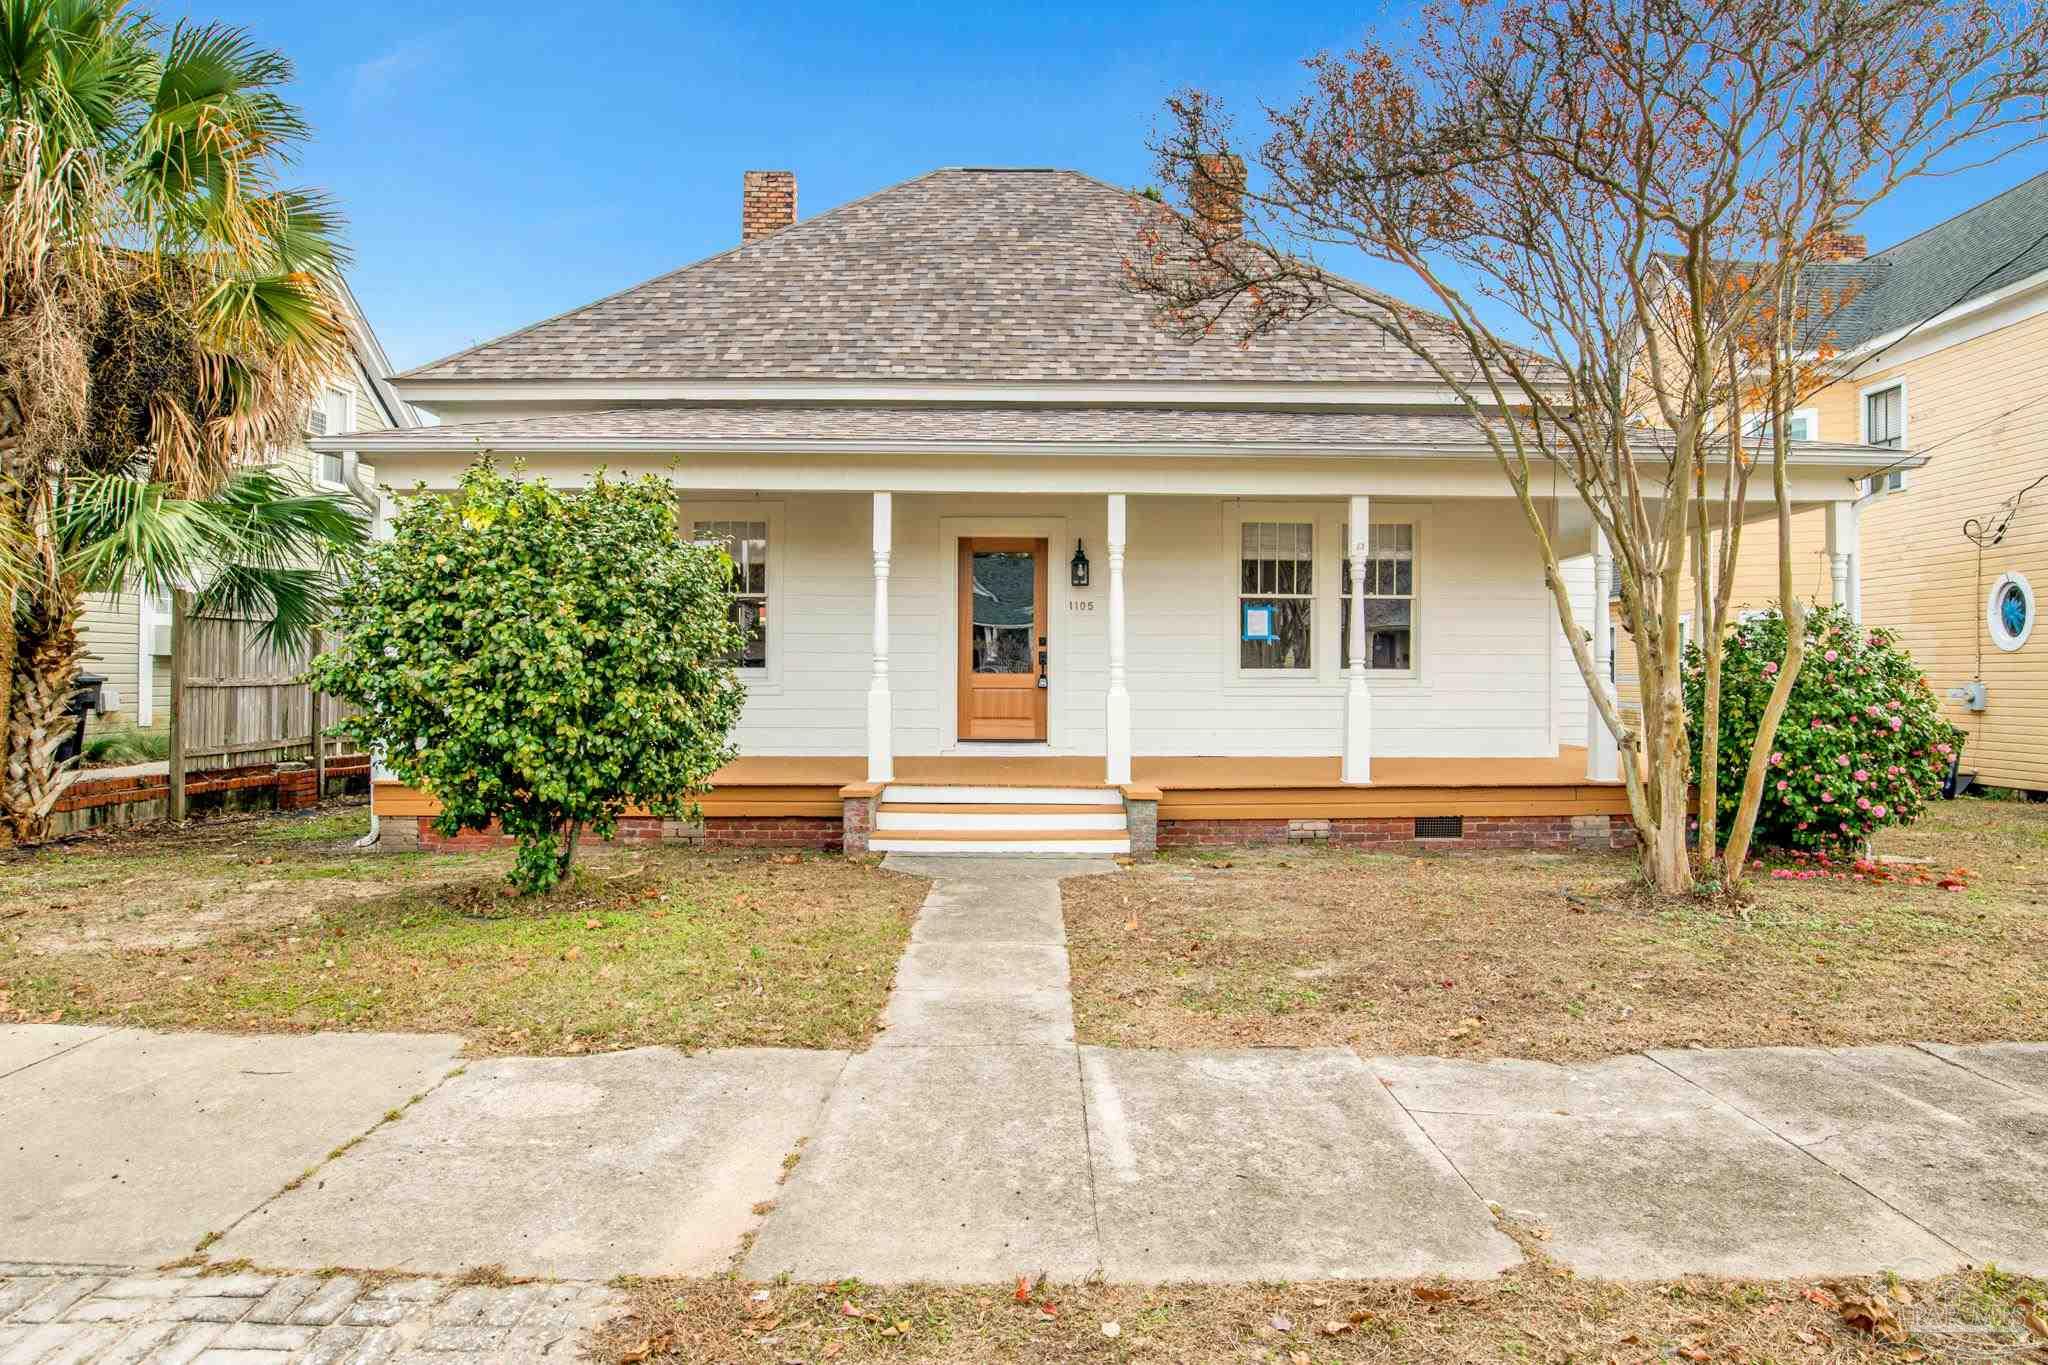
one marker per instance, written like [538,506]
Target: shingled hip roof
[963,275]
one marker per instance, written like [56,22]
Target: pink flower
[1892,771]
[1863,803]
[1878,811]
[1898,724]
[1783,784]
[1770,669]
[1862,774]
[1831,656]
[1802,824]
[1778,760]
[1945,749]
[1816,722]
[1827,798]
[1844,827]
[1842,759]
[1893,703]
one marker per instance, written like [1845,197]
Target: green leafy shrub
[127,746]
[1862,744]
[541,658]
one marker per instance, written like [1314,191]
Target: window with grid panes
[1389,599]
[747,543]
[1276,570]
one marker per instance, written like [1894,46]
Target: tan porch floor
[1190,788]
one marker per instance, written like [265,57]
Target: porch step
[988,819]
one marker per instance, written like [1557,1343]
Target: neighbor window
[1884,417]
[1389,598]
[331,414]
[747,543]
[1276,595]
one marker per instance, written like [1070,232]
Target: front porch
[827,802]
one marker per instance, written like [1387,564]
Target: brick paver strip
[128,1317]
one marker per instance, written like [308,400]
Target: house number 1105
[1079,604]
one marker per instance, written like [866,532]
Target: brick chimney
[1833,244]
[1216,192]
[767,203]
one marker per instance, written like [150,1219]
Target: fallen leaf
[1281,1322]
[832,1350]
[1336,1329]
[2037,1324]
[1872,1314]
[1429,1293]
[1023,1294]
[1111,1329]
[572,955]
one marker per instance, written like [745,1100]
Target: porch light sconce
[1079,567]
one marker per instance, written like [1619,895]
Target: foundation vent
[1439,826]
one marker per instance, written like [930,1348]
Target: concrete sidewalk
[975,1141]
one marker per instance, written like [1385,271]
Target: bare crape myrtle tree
[1607,207]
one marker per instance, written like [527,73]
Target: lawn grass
[1561,956]
[279,925]
[1535,1312]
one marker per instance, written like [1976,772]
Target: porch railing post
[1117,725]
[881,719]
[1357,697]
[1603,762]
[1844,561]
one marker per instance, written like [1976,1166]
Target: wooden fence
[236,702]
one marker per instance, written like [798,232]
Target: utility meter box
[1970,695]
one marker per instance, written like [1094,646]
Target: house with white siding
[1023,572]
[128,635]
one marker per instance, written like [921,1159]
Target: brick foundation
[1397,834]
[92,802]
[406,832]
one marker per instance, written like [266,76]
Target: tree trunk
[45,672]
[568,857]
[1666,861]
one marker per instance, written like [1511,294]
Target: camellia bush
[1862,744]
[542,658]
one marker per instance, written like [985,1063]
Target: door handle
[1042,680]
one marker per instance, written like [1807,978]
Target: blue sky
[503,163]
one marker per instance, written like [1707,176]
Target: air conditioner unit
[160,638]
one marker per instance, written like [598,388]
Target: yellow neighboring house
[127,635]
[1948,335]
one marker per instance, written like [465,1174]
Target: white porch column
[1117,726]
[881,718]
[1357,698]
[1844,566]
[1603,759]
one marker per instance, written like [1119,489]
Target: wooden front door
[1002,638]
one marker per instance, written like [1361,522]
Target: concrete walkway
[975,1141]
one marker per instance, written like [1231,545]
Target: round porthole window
[2009,611]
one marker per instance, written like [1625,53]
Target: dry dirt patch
[277,924]
[1559,956]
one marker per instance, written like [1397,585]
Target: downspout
[380,529]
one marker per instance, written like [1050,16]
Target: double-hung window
[747,543]
[1276,596]
[1884,424]
[333,412]
[1389,598]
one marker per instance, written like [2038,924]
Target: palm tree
[167,308]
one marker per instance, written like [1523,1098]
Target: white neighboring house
[1024,572]
[127,635]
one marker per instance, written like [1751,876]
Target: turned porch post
[1357,698]
[1117,726]
[1603,760]
[881,719]
[1844,560]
